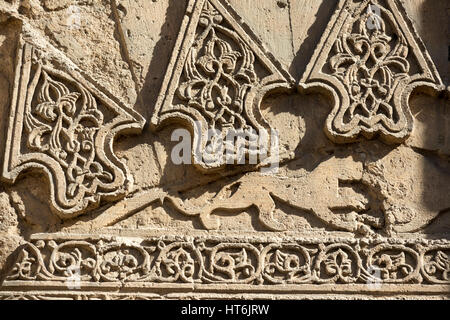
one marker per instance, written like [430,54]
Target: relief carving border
[172,264]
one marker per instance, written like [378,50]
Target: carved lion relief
[369,60]
[325,183]
[63,126]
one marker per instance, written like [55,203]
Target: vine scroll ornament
[301,263]
[370,59]
[216,80]
[66,128]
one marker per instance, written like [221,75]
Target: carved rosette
[65,127]
[370,59]
[215,83]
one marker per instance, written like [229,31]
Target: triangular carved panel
[62,125]
[370,59]
[218,75]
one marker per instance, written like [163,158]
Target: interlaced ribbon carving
[68,128]
[370,60]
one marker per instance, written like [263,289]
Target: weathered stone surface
[347,197]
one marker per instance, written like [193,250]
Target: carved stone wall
[222,149]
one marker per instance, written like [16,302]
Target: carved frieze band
[218,75]
[370,59]
[65,127]
[224,261]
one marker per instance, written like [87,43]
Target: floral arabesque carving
[297,262]
[217,77]
[370,60]
[436,264]
[215,82]
[68,128]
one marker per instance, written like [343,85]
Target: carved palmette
[370,59]
[65,127]
[216,80]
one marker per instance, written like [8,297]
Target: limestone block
[198,149]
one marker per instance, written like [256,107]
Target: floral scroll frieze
[215,82]
[64,127]
[208,261]
[370,59]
